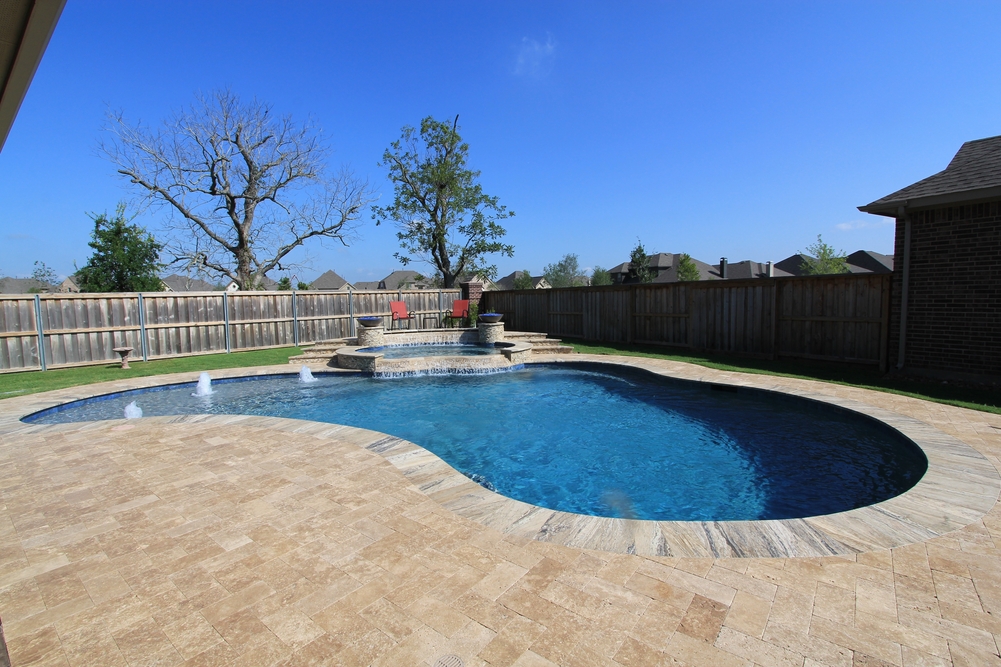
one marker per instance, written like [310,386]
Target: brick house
[945,318]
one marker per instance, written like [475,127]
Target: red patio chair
[399,310]
[460,311]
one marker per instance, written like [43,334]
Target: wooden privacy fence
[832,318]
[57,330]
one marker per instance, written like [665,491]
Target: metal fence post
[440,309]
[351,312]
[142,328]
[41,334]
[295,322]
[225,317]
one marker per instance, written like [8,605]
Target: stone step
[552,349]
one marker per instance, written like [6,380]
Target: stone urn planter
[491,318]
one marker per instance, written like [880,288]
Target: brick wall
[954,295]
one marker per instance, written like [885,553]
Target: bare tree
[244,187]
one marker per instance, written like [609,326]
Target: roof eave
[31,48]
[892,207]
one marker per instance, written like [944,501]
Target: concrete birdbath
[124,353]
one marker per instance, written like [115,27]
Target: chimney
[722,268]
[769,271]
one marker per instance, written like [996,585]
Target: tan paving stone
[235,541]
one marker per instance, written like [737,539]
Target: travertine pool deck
[261,541]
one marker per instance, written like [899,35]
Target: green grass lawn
[30,382]
[964,396]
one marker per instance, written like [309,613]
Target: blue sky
[718,129]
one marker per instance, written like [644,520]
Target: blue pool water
[592,440]
[433,350]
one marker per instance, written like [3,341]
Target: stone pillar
[371,336]
[490,332]
[472,291]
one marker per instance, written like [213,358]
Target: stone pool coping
[959,488]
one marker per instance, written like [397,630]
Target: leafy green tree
[824,259]
[565,273]
[444,218]
[284,284]
[523,280]
[639,265]
[301,286]
[687,271]
[600,276]
[125,258]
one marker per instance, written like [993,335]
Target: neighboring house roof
[670,275]
[794,265]
[24,286]
[507,282]
[400,280]
[366,284]
[974,173]
[68,286]
[660,262]
[747,269]
[25,30]
[867,261]
[179,283]
[329,280]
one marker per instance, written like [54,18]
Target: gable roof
[507,282]
[399,280]
[178,283]
[974,173]
[24,286]
[329,280]
[867,261]
[366,284]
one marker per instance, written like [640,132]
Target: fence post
[142,328]
[41,334]
[775,319]
[441,308]
[295,322]
[631,315]
[351,312]
[225,318]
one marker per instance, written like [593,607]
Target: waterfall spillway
[133,411]
[204,387]
[306,375]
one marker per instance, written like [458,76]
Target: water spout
[133,411]
[204,387]
[305,375]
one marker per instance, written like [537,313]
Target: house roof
[507,282]
[670,275]
[178,283]
[366,284]
[867,261]
[24,286]
[793,265]
[974,173]
[662,261]
[399,280]
[329,280]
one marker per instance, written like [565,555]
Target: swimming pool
[584,438]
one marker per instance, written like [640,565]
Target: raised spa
[592,439]
[436,350]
